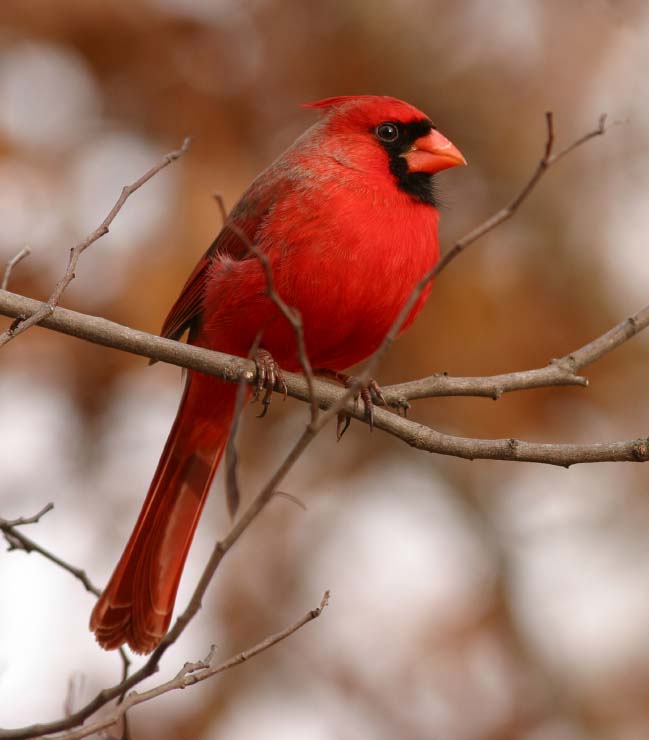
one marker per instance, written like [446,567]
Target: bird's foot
[269,378]
[370,394]
[401,406]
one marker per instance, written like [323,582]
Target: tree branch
[18,541]
[192,673]
[235,369]
[220,549]
[504,214]
[232,493]
[562,371]
[45,309]
[11,263]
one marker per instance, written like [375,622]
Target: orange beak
[433,153]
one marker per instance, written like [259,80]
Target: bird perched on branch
[347,220]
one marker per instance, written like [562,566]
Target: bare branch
[151,665]
[234,370]
[9,266]
[46,309]
[192,673]
[220,202]
[232,494]
[488,386]
[509,210]
[109,334]
[18,541]
[22,520]
[564,455]
[562,371]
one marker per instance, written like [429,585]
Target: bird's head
[368,132]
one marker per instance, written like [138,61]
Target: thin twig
[488,386]
[232,493]
[559,372]
[294,318]
[504,214]
[272,293]
[220,202]
[9,266]
[47,308]
[193,673]
[19,541]
[291,314]
[293,499]
[76,683]
[22,520]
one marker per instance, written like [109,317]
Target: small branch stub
[24,252]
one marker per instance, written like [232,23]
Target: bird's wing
[232,241]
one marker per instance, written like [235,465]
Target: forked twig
[548,159]
[19,541]
[192,673]
[46,309]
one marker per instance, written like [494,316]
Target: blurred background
[470,601]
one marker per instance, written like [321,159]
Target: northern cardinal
[347,218]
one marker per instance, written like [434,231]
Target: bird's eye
[387,132]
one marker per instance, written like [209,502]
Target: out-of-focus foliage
[470,601]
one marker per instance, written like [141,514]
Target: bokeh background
[470,601]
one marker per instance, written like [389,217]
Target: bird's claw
[370,394]
[402,406]
[269,379]
[342,424]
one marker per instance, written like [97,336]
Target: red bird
[347,218]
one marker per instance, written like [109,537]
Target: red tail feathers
[136,605]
